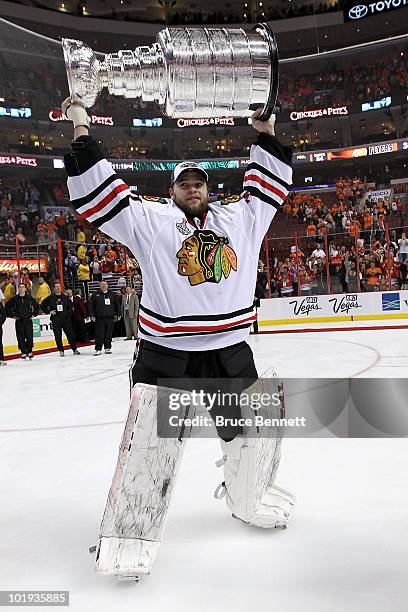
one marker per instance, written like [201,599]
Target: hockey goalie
[199,265]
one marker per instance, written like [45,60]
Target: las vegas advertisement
[381,306]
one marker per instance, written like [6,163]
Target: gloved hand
[75,112]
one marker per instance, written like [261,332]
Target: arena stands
[198,16]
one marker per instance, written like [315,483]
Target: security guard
[59,306]
[103,309]
[22,308]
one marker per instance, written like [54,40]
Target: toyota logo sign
[358,12]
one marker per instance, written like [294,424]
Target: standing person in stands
[22,307]
[80,235]
[95,267]
[71,266]
[81,251]
[43,290]
[374,276]
[403,248]
[342,276]
[103,309]
[25,279]
[59,306]
[83,275]
[9,288]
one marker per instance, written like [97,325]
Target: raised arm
[98,194]
[269,173]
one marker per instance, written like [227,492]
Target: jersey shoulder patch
[157,199]
[230,200]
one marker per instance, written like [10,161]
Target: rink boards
[42,332]
[374,309]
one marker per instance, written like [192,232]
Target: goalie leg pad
[123,557]
[251,462]
[135,515]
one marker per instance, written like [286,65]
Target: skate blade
[136,578]
[280,526]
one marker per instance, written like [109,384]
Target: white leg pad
[126,556]
[250,466]
[139,497]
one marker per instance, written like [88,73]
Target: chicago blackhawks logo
[155,199]
[206,257]
[231,200]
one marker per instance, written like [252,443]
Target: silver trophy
[189,72]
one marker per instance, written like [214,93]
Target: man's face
[57,289]
[190,193]
[188,257]
[104,286]
[22,290]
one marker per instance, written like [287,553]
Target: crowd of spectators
[355,226]
[379,268]
[197,16]
[32,79]
[265,12]
[19,204]
[101,258]
[21,213]
[352,212]
[340,86]
[86,256]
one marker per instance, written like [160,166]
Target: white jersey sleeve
[267,181]
[99,195]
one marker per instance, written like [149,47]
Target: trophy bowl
[83,72]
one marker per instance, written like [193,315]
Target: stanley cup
[189,72]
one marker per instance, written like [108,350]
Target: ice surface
[346,548]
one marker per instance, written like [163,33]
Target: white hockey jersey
[198,276]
